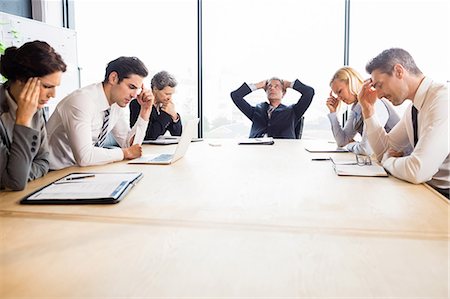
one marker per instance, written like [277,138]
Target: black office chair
[299,128]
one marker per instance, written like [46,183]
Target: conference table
[230,221]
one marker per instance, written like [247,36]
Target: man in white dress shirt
[417,150]
[76,126]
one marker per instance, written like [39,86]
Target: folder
[321,146]
[262,140]
[85,188]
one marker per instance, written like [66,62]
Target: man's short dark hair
[125,67]
[386,60]
[163,79]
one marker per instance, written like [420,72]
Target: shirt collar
[158,107]
[103,103]
[421,93]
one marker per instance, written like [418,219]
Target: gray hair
[163,79]
[386,60]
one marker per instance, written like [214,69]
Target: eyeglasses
[361,160]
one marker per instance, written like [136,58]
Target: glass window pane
[419,27]
[250,41]
[162,33]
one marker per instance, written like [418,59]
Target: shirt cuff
[116,154]
[252,86]
[138,131]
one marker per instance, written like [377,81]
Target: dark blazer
[158,123]
[284,118]
[23,150]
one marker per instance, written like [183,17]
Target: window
[419,27]
[250,41]
[162,33]
[253,40]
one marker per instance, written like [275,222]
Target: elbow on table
[16,185]
[419,178]
[417,174]
[341,143]
[84,160]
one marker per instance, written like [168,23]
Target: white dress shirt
[429,160]
[75,125]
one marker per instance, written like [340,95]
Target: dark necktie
[269,111]
[104,131]
[414,123]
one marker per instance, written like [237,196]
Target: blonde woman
[345,86]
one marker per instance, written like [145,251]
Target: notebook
[356,170]
[166,140]
[359,168]
[189,131]
[85,188]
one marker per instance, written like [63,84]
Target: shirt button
[34,137]
[33,149]
[33,143]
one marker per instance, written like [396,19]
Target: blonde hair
[351,77]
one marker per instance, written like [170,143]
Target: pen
[81,177]
[320,159]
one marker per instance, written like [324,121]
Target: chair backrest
[299,128]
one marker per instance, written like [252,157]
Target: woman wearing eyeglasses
[33,71]
[345,86]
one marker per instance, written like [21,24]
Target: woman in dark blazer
[33,71]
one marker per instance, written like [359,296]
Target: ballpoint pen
[320,159]
[80,177]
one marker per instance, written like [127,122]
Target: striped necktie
[269,111]
[102,136]
[414,123]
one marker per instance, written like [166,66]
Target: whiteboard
[15,31]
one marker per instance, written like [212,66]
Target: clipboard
[85,188]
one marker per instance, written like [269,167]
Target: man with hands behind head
[77,129]
[272,118]
[417,148]
[164,117]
